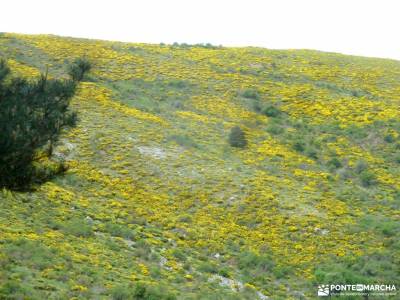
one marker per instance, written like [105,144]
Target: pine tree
[32,116]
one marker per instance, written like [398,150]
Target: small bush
[177,83]
[367,178]
[257,107]
[271,111]
[237,137]
[179,254]
[122,292]
[184,141]
[311,153]
[299,146]
[360,166]
[120,231]
[207,267]
[31,254]
[389,138]
[334,163]
[251,94]
[389,228]
[15,290]
[185,218]
[79,68]
[78,228]
[147,292]
[275,129]
[282,271]
[250,261]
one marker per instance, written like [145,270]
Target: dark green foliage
[389,138]
[208,267]
[275,129]
[122,292]
[334,163]
[78,227]
[140,291]
[311,152]
[251,94]
[79,68]
[176,83]
[250,262]
[378,267]
[237,137]
[389,228]
[367,178]
[120,231]
[31,254]
[32,116]
[146,292]
[360,166]
[282,271]
[257,107]
[184,141]
[271,111]
[15,290]
[179,254]
[299,146]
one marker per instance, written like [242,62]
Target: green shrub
[143,250]
[122,292]
[79,68]
[119,230]
[16,290]
[311,152]
[252,262]
[271,111]
[389,228]
[177,83]
[186,218]
[78,227]
[147,292]
[179,254]
[282,271]
[31,254]
[224,272]
[360,166]
[275,129]
[237,137]
[334,163]
[184,141]
[207,267]
[251,94]
[389,138]
[339,275]
[367,178]
[299,146]
[257,107]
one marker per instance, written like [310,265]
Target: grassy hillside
[156,202]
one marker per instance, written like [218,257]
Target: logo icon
[323,290]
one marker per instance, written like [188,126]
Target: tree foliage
[32,116]
[237,137]
[79,68]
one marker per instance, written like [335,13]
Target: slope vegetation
[157,204]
